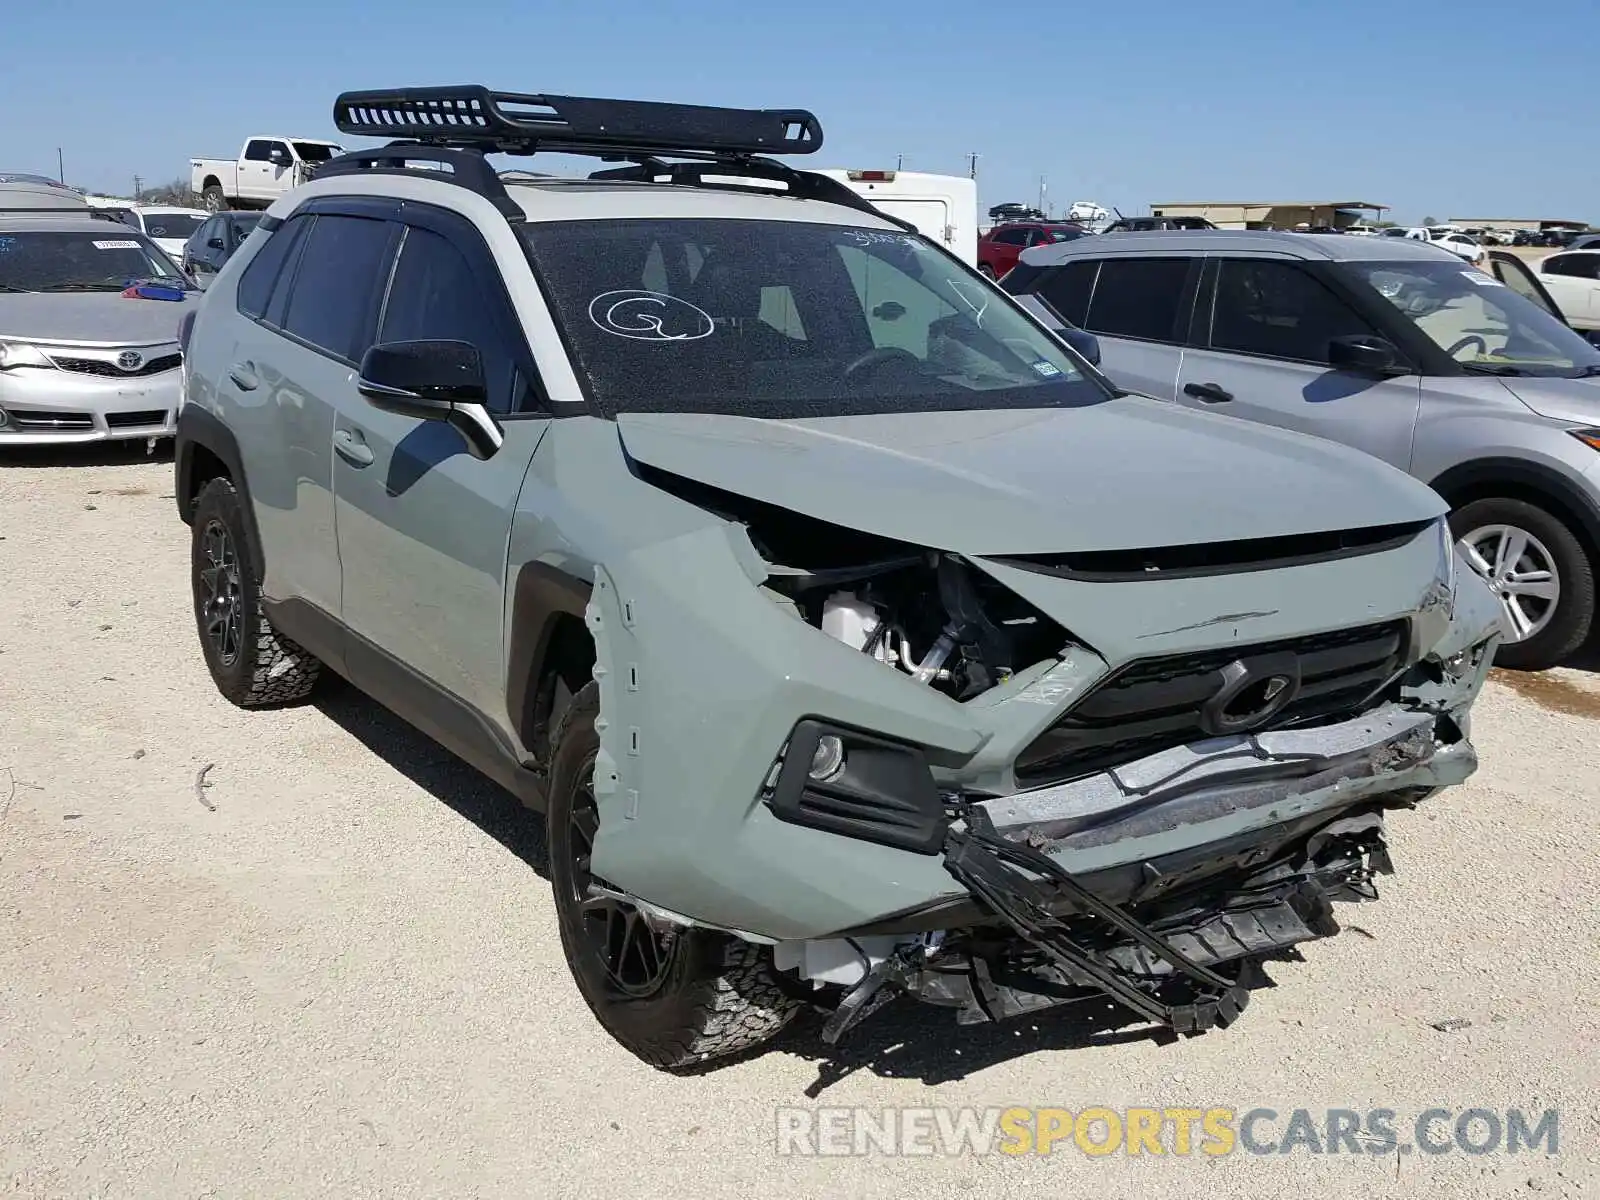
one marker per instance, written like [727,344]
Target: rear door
[423,525]
[1574,281]
[1513,272]
[1262,329]
[1138,307]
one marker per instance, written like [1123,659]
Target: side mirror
[1084,342]
[277,154]
[433,381]
[215,243]
[1361,352]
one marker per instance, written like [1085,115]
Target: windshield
[1478,321]
[790,319]
[172,225]
[314,153]
[88,261]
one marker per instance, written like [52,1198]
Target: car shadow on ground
[88,454]
[438,772]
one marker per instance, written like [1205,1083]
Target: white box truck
[944,207]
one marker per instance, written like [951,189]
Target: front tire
[1540,573]
[672,996]
[252,664]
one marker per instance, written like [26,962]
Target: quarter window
[1138,298]
[435,296]
[1067,290]
[334,289]
[256,283]
[1278,310]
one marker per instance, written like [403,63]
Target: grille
[1155,704]
[44,418]
[132,420]
[98,366]
[1215,558]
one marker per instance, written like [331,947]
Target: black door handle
[1208,393]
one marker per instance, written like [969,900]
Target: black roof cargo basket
[443,133]
[520,123]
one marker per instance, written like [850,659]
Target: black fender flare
[199,428]
[542,595]
[1519,475]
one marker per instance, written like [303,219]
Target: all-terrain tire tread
[742,1006]
[282,671]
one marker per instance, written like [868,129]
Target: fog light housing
[859,785]
[827,760]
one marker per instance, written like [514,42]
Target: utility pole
[61,170]
[138,188]
[972,166]
[1042,190]
[899,162]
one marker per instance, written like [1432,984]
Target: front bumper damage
[1174,932]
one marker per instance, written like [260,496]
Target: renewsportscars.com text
[1180,1132]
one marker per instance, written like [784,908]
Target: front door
[423,525]
[1263,355]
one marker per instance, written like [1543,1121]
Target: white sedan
[1459,244]
[1573,280]
[167,226]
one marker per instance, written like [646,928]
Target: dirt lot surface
[335,971]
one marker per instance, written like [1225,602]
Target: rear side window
[435,296]
[1067,290]
[255,285]
[258,151]
[1574,266]
[1279,310]
[1138,298]
[1012,237]
[336,284]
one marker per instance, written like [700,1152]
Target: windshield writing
[789,319]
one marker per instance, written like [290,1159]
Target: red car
[998,249]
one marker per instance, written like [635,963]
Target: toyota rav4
[853,636]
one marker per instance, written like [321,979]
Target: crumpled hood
[1575,400]
[1125,474]
[92,318]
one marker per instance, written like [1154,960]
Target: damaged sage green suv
[854,636]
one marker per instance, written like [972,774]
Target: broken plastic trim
[988,866]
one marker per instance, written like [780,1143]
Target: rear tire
[1548,547]
[252,664]
[696,995]
[986,270]
[212,199]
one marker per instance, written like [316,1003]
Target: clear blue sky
[1123,104]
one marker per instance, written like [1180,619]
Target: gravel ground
[335,970]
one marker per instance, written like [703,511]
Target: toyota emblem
[1253,692]
[130,360]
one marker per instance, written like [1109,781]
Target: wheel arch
[206,449]
[1518,479]
[549,642]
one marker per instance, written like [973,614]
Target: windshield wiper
[1478,368]
[81,286]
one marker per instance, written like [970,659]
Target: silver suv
[1466,378]
[851,634]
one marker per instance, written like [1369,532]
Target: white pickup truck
[267,167]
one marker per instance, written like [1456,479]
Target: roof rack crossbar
[803,185]
[472,115]
[467,168]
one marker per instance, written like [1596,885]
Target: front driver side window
[435,296]
[1278,310]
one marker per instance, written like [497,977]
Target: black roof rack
[446,131]
[472,116]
